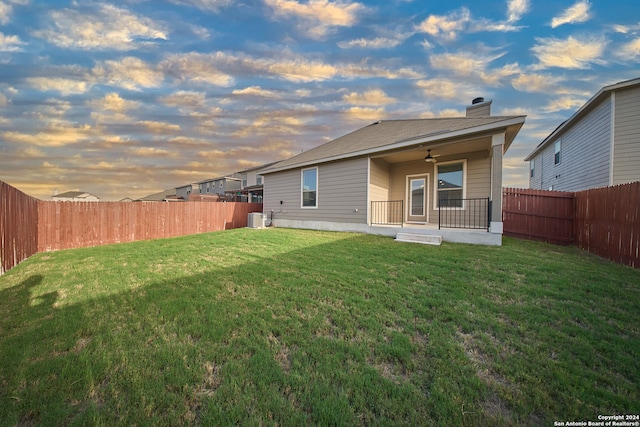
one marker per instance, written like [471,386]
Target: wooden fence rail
[29,225]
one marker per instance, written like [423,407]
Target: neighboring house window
[532,168]
[556,158]
[244,180]
[258,179]
[310,188]
[450,179]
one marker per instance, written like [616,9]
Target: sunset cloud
[255,91]
[318,16]
[56,134]
[446,26]
[579,12]
[571,53]
[364,113]
[128,73]
[204,5]
[185,99]
[630,50]
[108,27]
[10,43]
[516,8]
[61,85]
[370,97]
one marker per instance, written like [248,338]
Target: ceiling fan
[429,158]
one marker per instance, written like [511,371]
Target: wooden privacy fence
[604,221]
[29,225]
[538,215]
[18,226]
[608,222]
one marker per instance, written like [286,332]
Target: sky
[128,98]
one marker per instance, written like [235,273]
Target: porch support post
[497,150]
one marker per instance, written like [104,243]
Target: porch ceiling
[442,149]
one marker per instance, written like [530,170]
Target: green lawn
[292,327]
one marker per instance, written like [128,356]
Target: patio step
[425,239]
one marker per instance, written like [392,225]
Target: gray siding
[535,181]
[584,155]
[627,136]
[379,177]
[342,188]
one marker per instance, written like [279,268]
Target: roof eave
[509,122]
[578,114]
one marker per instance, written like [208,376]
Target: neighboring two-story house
[598,146]
[220,184]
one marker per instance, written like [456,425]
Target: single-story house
[75,196]
[162,196]
[426,180]
[598,146]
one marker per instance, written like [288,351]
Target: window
[532,168]
[310,188]
[450,185]
[258,179]
[244,180]
[556,158]
[416,197]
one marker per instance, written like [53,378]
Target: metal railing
[464,213]
[387,212]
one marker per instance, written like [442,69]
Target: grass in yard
[294,327]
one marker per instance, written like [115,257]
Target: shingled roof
[389,134]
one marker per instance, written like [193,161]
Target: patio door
[417,198]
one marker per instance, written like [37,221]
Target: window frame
[532,168]
[302,171]
[557,152]
[436,190]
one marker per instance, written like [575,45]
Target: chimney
[479,108]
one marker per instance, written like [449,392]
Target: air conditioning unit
[256,220]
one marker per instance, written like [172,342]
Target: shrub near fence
[29,225]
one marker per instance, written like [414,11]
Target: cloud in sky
[148,95]
[516,9]
[318,17]
[579,12]
[446,26]
[572,52]
[107,28]
[9,43]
